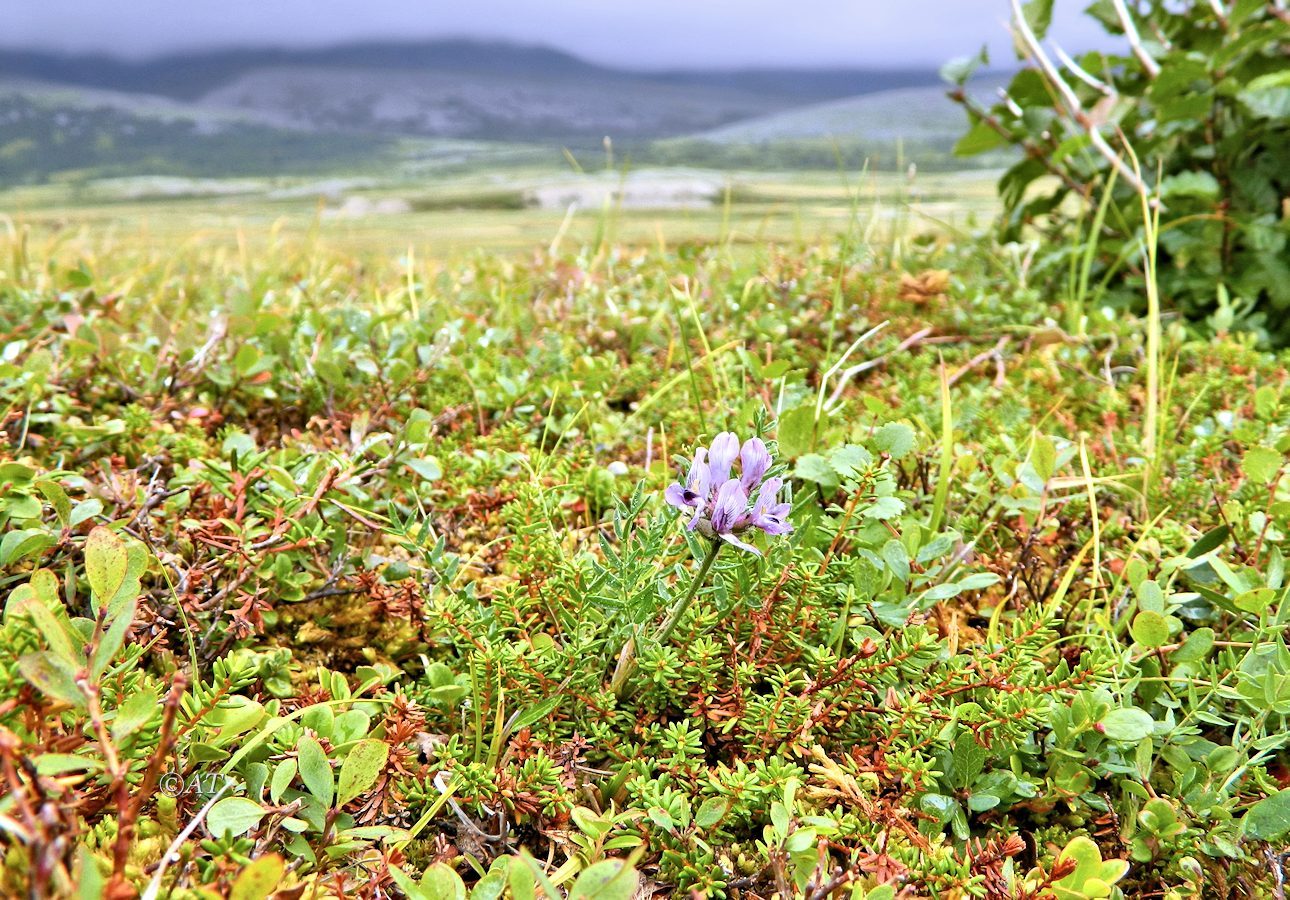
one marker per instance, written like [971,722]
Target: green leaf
[64,642]
[960,69]
[849,459]
[52,676]
[315,771]
[137,710]
[896,557]
[350,725]
[712,811]
[113,638]
[90,880]
[522,878]
[1212,539]
[796,431]
[1091,876]
[106,563]
[440,882]
[234,716]
[1043,457]
[1268,96]
[1129,724]
[1196,647]
[938,805]
[491,887]
[978,139]
[283,775]
[410,888]
[427,467]
[1255,600]
[535,714]
[85,510]
[21,543]
[814,467]
[895,439]
[610,879]
[1039,15]
[234,816]
[1261,464]
[980,802]
[966,761]
[258,880]
[883,508]
[57,498]
[1269,819]
[62,763]
[320,719]
[362,766]
[1201,185]
[1150,629]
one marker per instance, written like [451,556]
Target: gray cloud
[716,33]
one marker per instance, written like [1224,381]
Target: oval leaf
[315,771]
[106,563]
[1130,725]
[1269,819]
[258,880]
[234,816]
[610,879]
[361,768]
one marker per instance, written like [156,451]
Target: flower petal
[754,460]
[768,514]
[700,477]
[734,541]
[675,495]
[721,456]
[729,506]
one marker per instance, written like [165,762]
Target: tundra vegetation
[902,563]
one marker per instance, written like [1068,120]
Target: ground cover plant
[337,574]
[885,565]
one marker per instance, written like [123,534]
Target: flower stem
[627,658]
[670,623]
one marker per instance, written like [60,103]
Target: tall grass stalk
[1077,315]
[947,454]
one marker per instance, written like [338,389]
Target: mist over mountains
[189,76]
[183,113]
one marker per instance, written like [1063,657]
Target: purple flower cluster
[719,499]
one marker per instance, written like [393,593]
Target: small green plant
[322,597]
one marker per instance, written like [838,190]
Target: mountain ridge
[188,76]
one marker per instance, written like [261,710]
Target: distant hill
[190,75]
[82,133]
[483,105]
[338,109]
[460,88]
[916,114]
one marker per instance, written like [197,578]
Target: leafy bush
[1201,94]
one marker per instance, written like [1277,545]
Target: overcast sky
[655,33]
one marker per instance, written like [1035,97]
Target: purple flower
[767,513]
[754,460]
[720,499]
[725,448]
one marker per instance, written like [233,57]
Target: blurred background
[481,123]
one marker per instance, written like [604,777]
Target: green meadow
[614,531]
